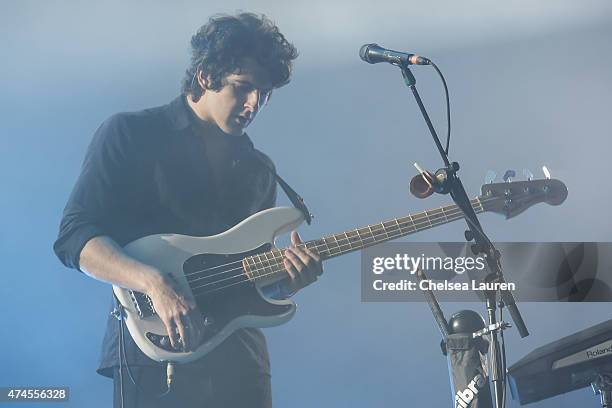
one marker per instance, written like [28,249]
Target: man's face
[235,105]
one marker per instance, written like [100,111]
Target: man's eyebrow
[251,83]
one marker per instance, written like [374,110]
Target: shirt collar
[179,113]
[181,117]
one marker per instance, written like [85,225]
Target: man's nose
[254,100]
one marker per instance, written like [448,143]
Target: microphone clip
[425,183]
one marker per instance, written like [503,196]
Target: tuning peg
[508,175]
[528,175]
[490,177]
[546,172]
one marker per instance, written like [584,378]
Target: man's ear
[202,79]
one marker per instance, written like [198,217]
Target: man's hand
[179,312]
[303,265]
[104,260]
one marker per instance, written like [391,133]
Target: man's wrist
[152,279]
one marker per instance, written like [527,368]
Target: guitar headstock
[513,197]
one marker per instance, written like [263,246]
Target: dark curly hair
[221,44]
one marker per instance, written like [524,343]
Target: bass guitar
[226,272]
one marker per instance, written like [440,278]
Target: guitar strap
[294,197]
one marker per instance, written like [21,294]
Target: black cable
[122,357]
[122,352]
[448,117]
[448,134]
[503,350]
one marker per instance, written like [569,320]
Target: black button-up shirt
[147,173]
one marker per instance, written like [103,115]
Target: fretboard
[269,265]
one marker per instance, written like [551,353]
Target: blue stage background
[530,85]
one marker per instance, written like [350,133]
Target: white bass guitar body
[213,267]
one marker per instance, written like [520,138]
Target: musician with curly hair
[188,168]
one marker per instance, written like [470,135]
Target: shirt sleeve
[96,192]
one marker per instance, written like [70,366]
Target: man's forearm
[104,260]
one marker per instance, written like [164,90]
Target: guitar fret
[279,256]
[428,219]
[444,213]
[327,247]
[327,244]
[416,218]
[359,235]
[354,238]
[336,242]
[414,228]
[436,212]
[367,235]
[314,245]
[348,240]
[372,234]
[261,267]
[250,267]
[390,227]
[269,265]
[384,230]
[398,225]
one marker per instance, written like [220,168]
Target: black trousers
[193,387]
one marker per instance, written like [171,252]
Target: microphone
[374,53]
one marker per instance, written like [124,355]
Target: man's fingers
[302,255]
[295,260]
[197,332]
[295,238]
[307,268]
[314,255]
[311,261]
[176,308]
[302,264]
[172,333]
[182,332]
[290,268]
[296,277]
[194,329]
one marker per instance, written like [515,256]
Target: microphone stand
[483,245]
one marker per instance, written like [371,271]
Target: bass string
[417,225]
[274,271]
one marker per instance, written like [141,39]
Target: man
[185,168]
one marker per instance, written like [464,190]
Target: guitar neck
[268,266]
[359,238]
